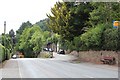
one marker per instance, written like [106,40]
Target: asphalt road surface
[58,67]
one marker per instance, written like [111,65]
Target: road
[58,67]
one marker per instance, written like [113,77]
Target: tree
[23,26]
[21,29]
[7,44]
[43,24]
[110,39]
[31,41]
[6,41]
[12,35]
[37,40]
[104,13]
[24,44]
[68,19]
[92,38]
[2,53]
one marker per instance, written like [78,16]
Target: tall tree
[12,35]
[31,41]
[104,12]
[68,19]
[21,29]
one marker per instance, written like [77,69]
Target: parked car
[48,51]
[61,52]
[45,49]
[14,56]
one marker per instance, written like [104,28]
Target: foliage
[110,39]
[21,29]
[37,39]
[46,55]
[11,33]
[12,37]
[77,43]
[23,26]
[6,41]
[92,38]
[2,53]
[81,31]
[85,26]
[43,24]
[32,41]
[54,38]
[68,19]
[104,13]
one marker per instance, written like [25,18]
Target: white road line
[19,70]
[0,74]
[88,76]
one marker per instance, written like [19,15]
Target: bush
[2,53]
[46,54]
[92,38]
[110,39]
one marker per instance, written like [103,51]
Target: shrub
[110,39]
[92,38]
[2,53]
[46,54]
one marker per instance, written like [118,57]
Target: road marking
[0,74]
[88,76]
[19,70]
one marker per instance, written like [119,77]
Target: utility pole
[4,27]
[4,32]
[6,57]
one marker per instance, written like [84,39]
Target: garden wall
[94,56]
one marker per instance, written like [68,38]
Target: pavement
[58,67]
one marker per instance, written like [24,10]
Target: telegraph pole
[4,38]
[4,27]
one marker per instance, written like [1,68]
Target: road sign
[116,24]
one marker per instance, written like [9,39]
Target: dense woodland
[75,26]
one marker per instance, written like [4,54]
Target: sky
[15,12]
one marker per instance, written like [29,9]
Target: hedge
[2,53]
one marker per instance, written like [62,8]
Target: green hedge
[2,53]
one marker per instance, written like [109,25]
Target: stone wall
[94,56]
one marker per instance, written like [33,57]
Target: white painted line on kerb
[88,76]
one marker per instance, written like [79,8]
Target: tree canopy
[69,20]
[86,26]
